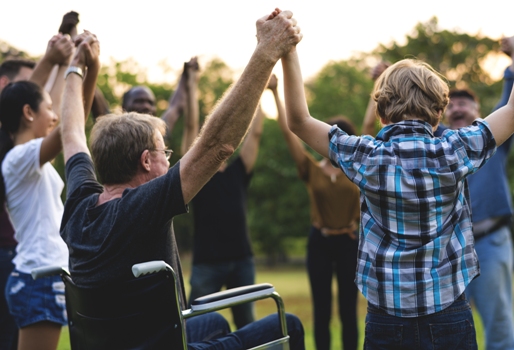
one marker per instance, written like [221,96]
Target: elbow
[224,152]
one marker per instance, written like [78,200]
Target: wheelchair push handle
[149,267]
[46,271]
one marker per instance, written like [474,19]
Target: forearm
[230,120]
[191,115]
[250,147]
[89,87]
[293,142]
[223,130]
[295,102]
[310,130]
[41,72]
[73,120]
[175,104]
[57,89]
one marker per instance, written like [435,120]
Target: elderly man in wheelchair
[114,301]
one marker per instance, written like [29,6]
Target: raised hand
[59,49]
[278,33]
[88,49]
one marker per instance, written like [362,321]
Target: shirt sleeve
[344,149]
[475,143]
[22,162]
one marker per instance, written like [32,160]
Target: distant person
[141,99]
[222,252]
[491,205]
[332,244]
[141,182]
[416,254]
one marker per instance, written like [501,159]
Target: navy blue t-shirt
[105,241]
[219,212]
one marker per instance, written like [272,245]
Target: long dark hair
[12,100]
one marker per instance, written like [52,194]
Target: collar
[409,128]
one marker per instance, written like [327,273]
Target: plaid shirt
[416,248]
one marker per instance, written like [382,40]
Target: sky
[156,33]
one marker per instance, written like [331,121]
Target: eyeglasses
[167,152]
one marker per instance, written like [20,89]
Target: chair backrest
[143,313]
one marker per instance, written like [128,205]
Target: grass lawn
[292,284]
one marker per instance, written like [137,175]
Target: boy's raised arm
[312,131]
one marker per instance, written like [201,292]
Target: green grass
[292,284]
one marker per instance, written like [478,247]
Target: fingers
[278,33]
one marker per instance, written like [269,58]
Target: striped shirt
[416,248]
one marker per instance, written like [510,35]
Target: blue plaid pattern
[416,248]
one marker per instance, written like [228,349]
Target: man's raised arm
[221,134]
[74,104]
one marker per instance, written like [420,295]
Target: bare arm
[100,105]
[58,52]
[312,131]
[89,85]
[501,121]
[178,102]
[61,49]
[74,104]
[192,112]
[250,147]
[293,142]
[221,134]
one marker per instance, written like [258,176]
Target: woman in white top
[31,187]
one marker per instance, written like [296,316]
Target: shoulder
[22,157]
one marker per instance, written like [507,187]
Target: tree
[340,88]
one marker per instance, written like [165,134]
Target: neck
[23,136]
[116,191]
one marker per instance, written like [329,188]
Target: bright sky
[156,31]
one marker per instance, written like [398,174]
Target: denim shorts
[451,328]
[31,301]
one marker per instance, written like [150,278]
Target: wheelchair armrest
[149,267]
[46,271]
[232,296]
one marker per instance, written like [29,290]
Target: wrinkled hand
[379,69]
[507,46]
[59,49]
[88,50]
[273,82]
[278,34]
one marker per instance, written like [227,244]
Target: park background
[337,83]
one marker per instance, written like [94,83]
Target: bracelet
[74,69]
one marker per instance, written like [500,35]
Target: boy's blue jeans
[452,328]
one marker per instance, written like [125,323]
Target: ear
[28,114]
[145,161]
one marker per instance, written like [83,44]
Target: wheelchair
[145,313]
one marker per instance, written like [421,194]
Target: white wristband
[74,69]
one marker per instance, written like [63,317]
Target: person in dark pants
[332,244]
